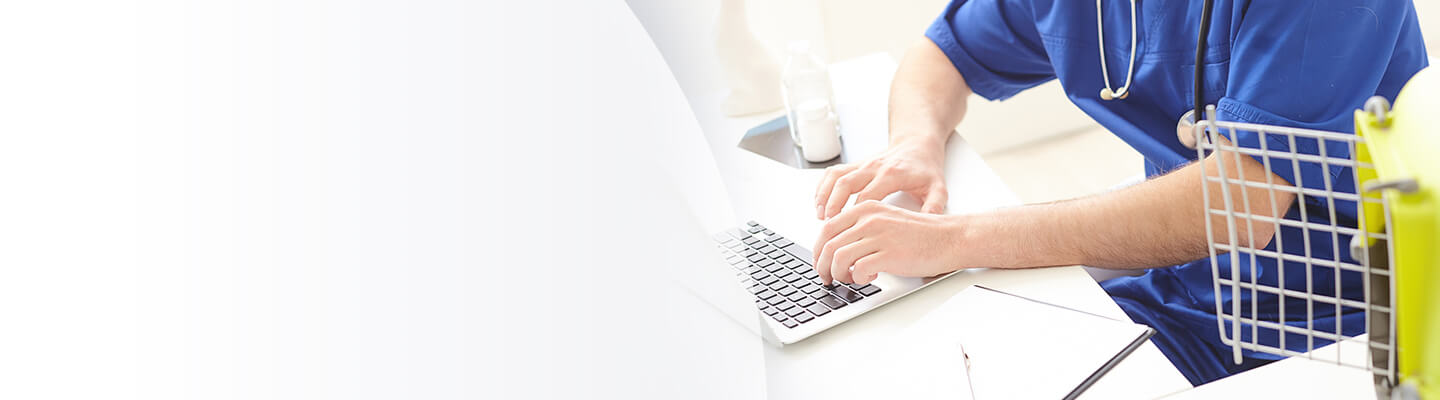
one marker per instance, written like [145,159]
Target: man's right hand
[915,166]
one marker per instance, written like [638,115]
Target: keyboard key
[785,259]
[831,301]
[776,300]
[765,294]
[846,293]
[752,223]
[771,311]
[803,317]
[818,309]
[797,296]
[805,301]
[750,240]
[769,280]
[792,278]
[755,257]
[754,229]
[786,291]
[784,305]
[811,287]
[767,231]
[790,323]
[820,293]
[783,243]
[756,289]
[772,237]
[794,311]
[784,273]
[779,317]
[798,252]
[869,290]
[765,263]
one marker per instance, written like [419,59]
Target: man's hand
[916,167]
[874,237]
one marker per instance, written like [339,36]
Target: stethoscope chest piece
[1185,129]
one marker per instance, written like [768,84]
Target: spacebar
[800,253]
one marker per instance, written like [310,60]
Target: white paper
[1018,348]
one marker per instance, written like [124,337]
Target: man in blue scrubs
[1301,64]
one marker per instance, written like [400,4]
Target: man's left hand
[874,237]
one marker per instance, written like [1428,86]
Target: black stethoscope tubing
[1200,60]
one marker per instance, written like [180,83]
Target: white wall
[1429,12]
[853,28]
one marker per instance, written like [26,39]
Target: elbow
[1256,232]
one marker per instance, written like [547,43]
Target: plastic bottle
[809,104]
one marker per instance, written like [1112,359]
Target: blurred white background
[1034,155]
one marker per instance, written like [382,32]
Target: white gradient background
[341,199]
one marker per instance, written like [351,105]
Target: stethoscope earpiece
[1106,94]
[1123,91]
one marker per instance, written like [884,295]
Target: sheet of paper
[1018,348]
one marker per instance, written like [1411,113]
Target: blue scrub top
[1302,64]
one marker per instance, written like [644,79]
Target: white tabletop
[1330,372]
[867,349]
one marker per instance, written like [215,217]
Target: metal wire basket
[1244,318]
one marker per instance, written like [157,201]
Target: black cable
[1200,60]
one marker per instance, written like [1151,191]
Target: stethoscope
[1110,93]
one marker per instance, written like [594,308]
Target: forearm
[927,97]
[1159,222]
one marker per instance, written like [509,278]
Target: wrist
[964,231]
[928,140]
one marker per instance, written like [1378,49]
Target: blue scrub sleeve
[1311,65]
[994,45]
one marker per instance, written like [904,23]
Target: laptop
[755,274]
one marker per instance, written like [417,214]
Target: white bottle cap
[799,47]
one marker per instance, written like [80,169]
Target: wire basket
[1345,263]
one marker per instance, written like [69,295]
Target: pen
[968,381]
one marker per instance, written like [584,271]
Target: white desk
[820,367]
[1298,377]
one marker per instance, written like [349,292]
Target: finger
[868,268]
[826,254]
[846,186]
[845,257]
[878,189]
[935,200]
[827,183]
[840,223]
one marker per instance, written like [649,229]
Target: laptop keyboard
[779,274]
